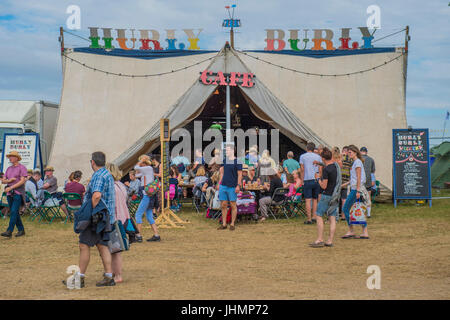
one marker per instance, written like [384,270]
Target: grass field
[272,260]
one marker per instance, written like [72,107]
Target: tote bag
[118,240]
[358,213]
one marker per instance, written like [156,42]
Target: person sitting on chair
[51,186]
[266,201]
[199,180]
[75,187]
[133,185]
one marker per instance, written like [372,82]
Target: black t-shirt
[276,183]
[330,173]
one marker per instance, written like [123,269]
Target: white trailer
[18,116]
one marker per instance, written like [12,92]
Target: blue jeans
[351,199]
[146,206]
[14,203]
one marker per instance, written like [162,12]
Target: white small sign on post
[27,147]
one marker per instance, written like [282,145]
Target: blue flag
[448,116]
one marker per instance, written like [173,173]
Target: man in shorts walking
[100,188]
[329,201]
[311,187]
[229,186]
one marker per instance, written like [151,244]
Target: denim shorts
[323,205]
[227,193]
[311,189]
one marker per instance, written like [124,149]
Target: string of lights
[138,75]
[319,74]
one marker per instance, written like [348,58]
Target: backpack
[153,188]
[228,217]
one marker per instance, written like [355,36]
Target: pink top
[122,212]
[16,172]
[291,190]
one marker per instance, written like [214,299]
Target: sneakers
[7,234]
[106,282]
[138,238]
[154,238]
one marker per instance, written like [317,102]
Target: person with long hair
[357,181]
[347,163]
[144,171]
[336,156]
[266,165]
[121,213]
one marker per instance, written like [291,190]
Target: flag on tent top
[447,116]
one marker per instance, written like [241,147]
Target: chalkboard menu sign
[411,163]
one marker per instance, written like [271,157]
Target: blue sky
[30,63]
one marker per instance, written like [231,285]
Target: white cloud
[30,62]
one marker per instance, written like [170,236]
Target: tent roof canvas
[120,115]
[192,102]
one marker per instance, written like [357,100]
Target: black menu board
[411,164]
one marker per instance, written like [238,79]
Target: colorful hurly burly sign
[150,39]
[322,40]
[144,39]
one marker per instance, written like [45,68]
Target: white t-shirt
[353,182]
[145,173]
[311,169]
[31,188]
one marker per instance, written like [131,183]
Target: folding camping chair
[214,213]
[3,204]
[295,205]
[278,208]
[50,209]
[376,193]
[71,209]
[198,197]
[34,209]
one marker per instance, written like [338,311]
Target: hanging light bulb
[237,106]
[216,92]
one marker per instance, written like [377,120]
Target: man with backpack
[330,182]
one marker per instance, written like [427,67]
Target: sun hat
[49,168]
[14,154]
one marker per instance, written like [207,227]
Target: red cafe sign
[227,79]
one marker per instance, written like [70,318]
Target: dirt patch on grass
[264,261]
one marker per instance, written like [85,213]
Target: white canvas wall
[109,113]
[100,112]
[360,109]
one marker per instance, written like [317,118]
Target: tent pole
[61,39]
[228,113]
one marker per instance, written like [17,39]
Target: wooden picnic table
[258,188]
[186,185]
